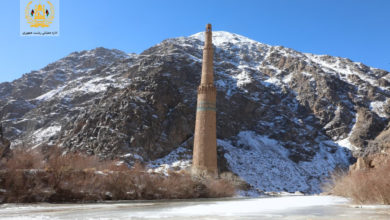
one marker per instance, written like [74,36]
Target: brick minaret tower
[205,138]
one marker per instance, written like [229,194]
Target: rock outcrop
[371,161]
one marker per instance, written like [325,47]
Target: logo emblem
[39,18]
[39,15]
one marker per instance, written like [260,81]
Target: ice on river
[286,207]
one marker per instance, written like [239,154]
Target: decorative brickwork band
[206,88]
[206,106]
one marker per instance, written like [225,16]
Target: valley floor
[287,207]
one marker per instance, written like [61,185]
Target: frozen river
[287,207]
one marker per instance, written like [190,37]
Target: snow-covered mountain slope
[34,107]
[285,119]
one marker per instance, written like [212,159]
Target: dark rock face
[146,119]
[109,103]
[4,144]
[367,127]
[380,144]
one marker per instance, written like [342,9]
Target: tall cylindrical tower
[205,137]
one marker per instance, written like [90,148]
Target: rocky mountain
[285,119]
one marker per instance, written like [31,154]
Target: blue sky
[357,29]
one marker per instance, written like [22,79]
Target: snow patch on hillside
[222,37]
[263,163]
[43,134]
[178,159]
[336,68]
[84,86]
[378,108]
[242,78]
[345,142]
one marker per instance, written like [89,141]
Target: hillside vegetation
[28,176]
[367,182]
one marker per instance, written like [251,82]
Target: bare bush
[59,177]
[219,188]
[235,181]
[365,186]
[25,159]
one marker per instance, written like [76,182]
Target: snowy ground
[288,207]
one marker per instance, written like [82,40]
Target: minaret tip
[208,27]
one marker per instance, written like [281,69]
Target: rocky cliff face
[4,144]
[285,119]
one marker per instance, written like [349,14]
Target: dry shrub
[20,186]
[20,176]
[366,186]
[25,159]
[178,186]
[57,159]
[235,181]
[219,188]
[59,177]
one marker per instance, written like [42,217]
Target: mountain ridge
[300,115]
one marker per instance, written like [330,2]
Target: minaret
[205,138]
